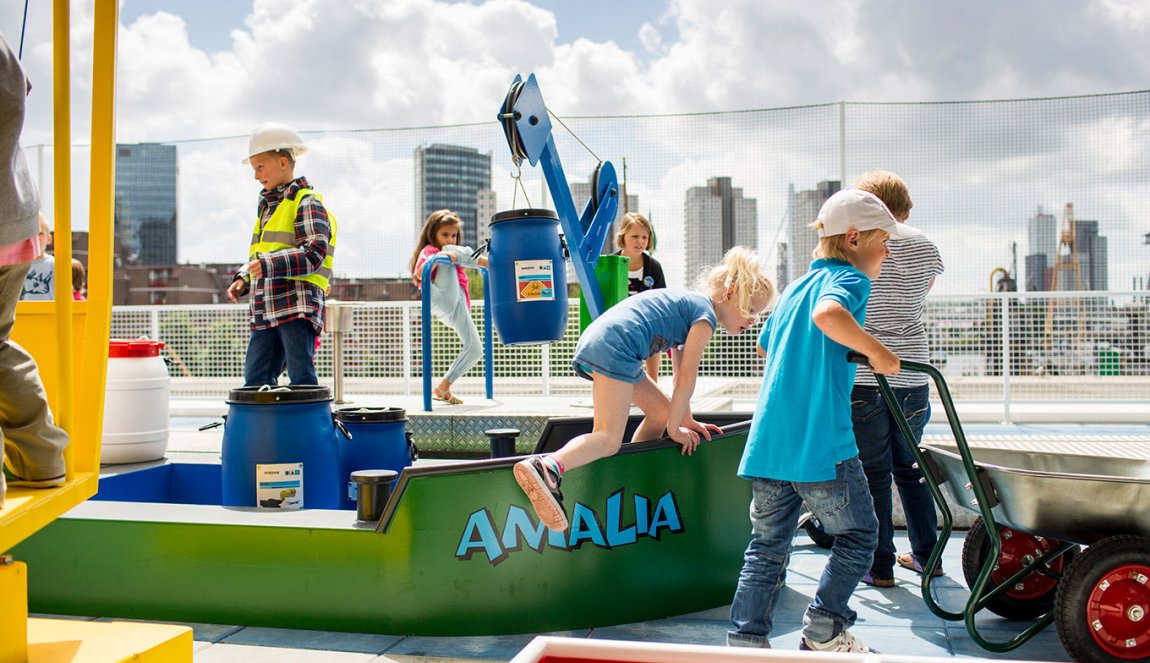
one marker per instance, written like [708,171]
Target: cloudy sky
[208,69]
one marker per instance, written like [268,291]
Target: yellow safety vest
[279,233]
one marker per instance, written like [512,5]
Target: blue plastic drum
[528,277]
[378,442]
[279,449]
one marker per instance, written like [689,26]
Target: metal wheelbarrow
[1061,538]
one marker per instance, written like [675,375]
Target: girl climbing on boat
[612,351]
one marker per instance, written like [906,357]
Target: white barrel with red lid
[136,403]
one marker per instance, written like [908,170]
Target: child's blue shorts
[605,359]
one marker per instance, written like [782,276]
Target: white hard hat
[271,136]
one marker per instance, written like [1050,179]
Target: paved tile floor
[893,620]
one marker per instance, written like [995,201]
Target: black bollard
[373,488]
[502,441]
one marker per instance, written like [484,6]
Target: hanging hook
[518,177]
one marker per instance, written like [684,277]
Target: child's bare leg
[612,400]
[539,476]
[652,366]
[655,406]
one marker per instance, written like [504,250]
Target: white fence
[1083,346]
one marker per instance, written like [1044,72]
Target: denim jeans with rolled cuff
[844,507]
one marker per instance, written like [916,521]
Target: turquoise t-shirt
[802,422]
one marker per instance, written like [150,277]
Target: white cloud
[328,65]
[650,38]
[334,64]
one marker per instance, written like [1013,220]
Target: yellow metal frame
[70,343]
[70,339]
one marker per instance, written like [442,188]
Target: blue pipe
[488,350]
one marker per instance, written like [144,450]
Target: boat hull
[458,552]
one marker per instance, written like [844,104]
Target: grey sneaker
[542,488]
[843,642]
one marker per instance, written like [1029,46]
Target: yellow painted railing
[70,339]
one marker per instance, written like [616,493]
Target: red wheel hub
[1020,550]
[1118,612]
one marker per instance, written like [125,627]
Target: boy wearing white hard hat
[290,260]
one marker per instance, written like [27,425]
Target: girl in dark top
[635,238]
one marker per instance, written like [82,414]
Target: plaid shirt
[275,298]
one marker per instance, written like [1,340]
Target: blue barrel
[279,449]
[378,442]
[528,277]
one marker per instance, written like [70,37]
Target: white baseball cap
[862,210]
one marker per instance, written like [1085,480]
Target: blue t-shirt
[802,422]
[617,342]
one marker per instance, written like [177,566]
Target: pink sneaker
[542,488]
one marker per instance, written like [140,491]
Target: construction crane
[1067,240]
[1005,281]
[1066,256]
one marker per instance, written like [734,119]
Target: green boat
[457,551]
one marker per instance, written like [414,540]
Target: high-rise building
[1042,235]
[1037,273]
[451,177]
[716,217]
[803,209]
[485,208]
[146,204]
[1042,239]
[581,193]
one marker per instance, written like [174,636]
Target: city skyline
[972,197]
[1052,255]
[794,222]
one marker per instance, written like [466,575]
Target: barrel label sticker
[535,281]
[279,486]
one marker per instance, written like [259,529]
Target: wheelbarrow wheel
[814,529]
[1103,602]
[1034,595]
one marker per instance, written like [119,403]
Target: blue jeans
[292,341]
[884,451]
[844,507]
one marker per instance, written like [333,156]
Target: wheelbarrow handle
[985,497]
[856,357]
